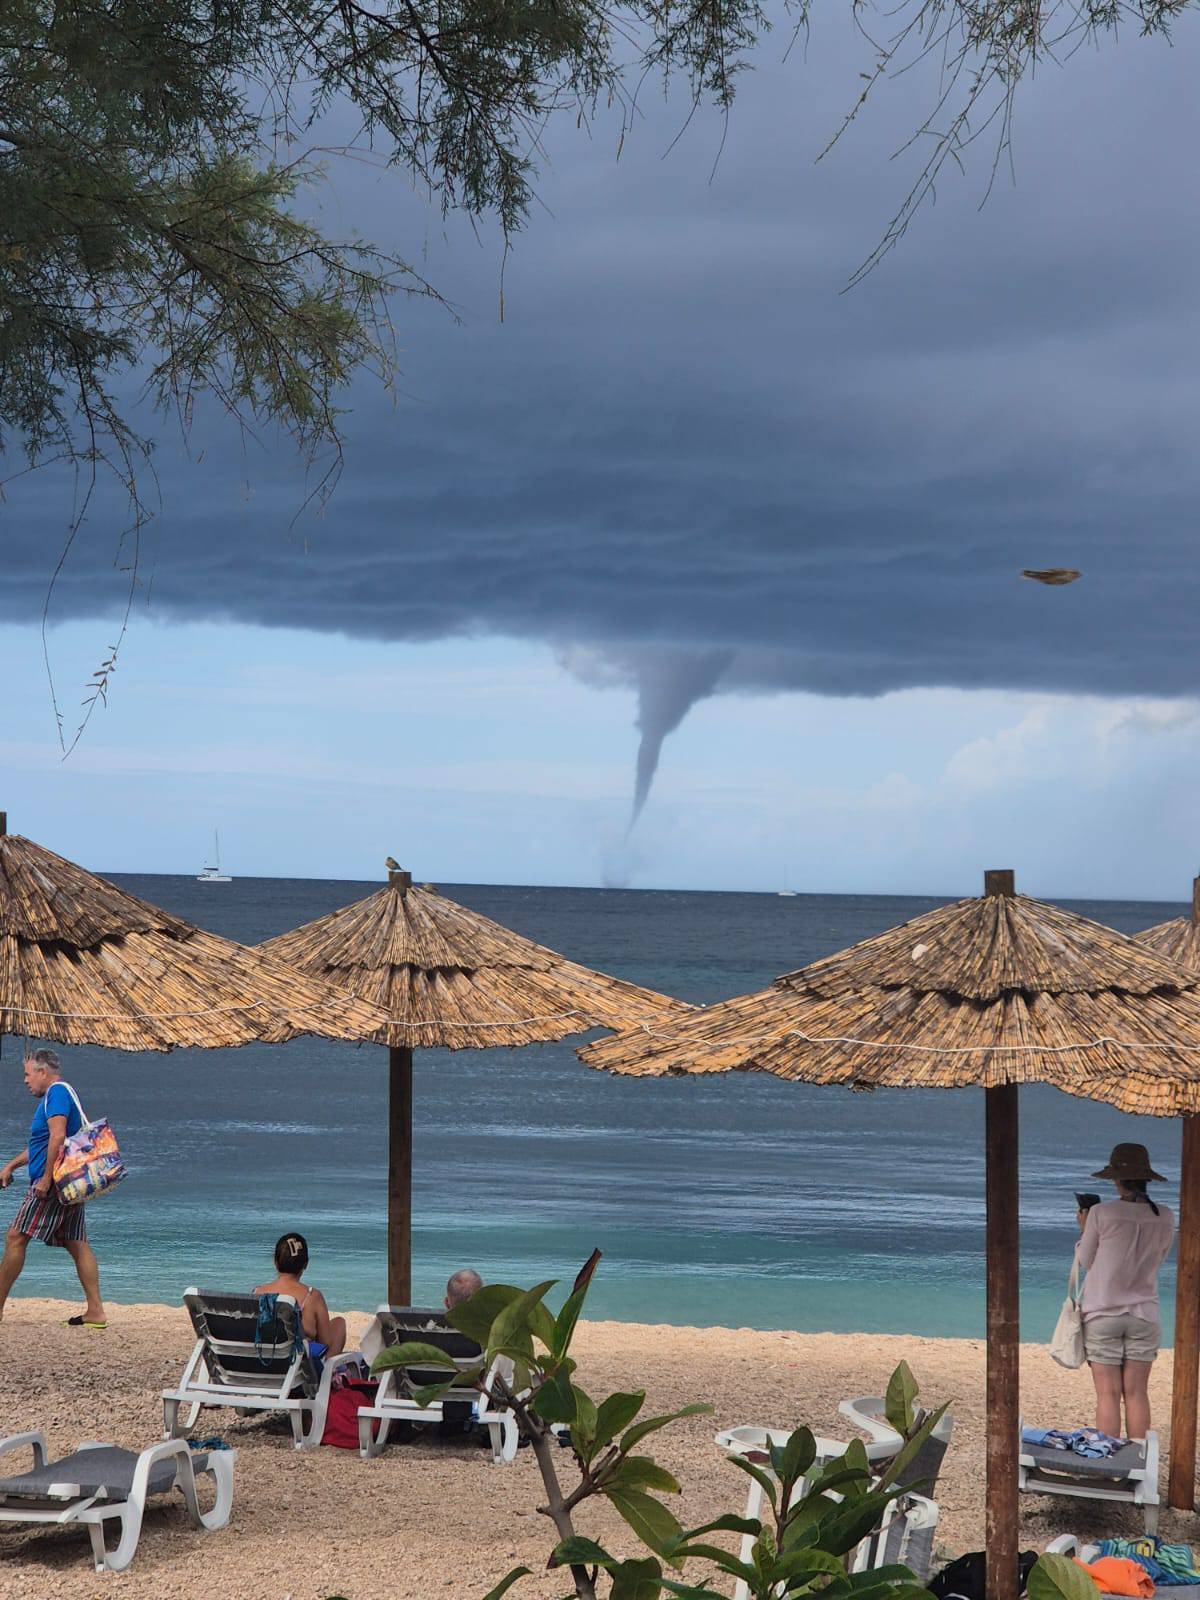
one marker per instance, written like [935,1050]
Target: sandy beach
[436,1518]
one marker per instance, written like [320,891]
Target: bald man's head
[461,1287]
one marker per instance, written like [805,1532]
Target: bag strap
[1073,1281]
[83,1121]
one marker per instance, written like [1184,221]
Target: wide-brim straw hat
[1130,1163]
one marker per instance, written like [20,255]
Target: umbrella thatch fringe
[82,962]
[979,993]
[450,978]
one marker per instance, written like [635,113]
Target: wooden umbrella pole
[1003,1339]
[1002,1121]
[1181,1481]
[399,1250]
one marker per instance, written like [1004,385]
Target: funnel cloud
[669,684]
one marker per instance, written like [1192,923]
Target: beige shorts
[1111,1341]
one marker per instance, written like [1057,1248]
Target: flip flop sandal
[82,1322]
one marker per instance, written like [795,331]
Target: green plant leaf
[642,1472]
[412,1354]
[1058,1578]
[732,1564]
[902,1390]
[637,1580]
[517,1323]
[725,1524]
[555,1399]
[639,1430]
[583,1428]
[475,1316]
[764,1480]
[507,1582]
[580,1552]
[908,1453]
[616,1413]
[649,1518]
[428,1393]
[565,1322]
[797,1455]
[850,1524]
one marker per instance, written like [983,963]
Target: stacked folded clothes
[1087,1442]
[1115,1575]
[1166,1564]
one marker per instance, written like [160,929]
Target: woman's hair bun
[291,1253]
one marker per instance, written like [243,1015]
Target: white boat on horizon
[214,874]
[786,894]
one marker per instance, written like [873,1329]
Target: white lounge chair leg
[99,1553]
[1151,1516]
[296,1418]
[220,1465]
[510,1436]
[368,1447]
[130,1523]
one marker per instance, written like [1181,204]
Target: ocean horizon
[733,1200]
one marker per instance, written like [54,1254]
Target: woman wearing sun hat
[1123,1244]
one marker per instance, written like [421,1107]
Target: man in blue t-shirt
[41,1215]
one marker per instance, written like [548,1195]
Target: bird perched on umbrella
[1052,575]
[392,865]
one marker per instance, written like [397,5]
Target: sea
[735,1201]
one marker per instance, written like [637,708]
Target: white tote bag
[1066,1346]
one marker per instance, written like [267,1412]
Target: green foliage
[815,1514]
[1059,1578]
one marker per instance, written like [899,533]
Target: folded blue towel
[1089,1443]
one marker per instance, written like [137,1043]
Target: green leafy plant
[815,1514]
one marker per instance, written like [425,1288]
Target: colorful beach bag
[89,1162]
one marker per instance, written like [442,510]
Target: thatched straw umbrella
[991,992]
[82,962]
[450,979]
[1179,940]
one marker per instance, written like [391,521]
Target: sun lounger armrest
[32,1440]
[869,1422]
[1065,1545]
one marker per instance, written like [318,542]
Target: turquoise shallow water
[738,1200]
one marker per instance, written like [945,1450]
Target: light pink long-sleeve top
[1122,1246]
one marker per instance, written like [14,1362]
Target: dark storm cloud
[684,440]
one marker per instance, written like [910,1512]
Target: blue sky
[688,488]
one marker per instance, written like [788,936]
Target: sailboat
[214,874]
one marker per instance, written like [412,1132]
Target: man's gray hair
[46,1058]
[463,1284]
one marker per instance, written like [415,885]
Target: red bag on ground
[341,1420]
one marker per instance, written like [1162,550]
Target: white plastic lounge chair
[905,1535]
[100,1483]
[1129,1476]
[867,1413]
[395,1400]
[1068,1545]
[236,1362]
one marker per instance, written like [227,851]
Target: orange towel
[1116,1575]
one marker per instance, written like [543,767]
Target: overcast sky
[688,481]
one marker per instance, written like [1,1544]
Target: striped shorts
[44,1217]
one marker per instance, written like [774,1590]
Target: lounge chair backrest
[924,1469]
[906,1537]
[238,1352]
[402,1325]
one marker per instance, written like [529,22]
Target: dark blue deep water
[739,1200]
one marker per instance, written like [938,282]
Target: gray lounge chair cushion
[106,1471]
[915,1551]
[1129,1458]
